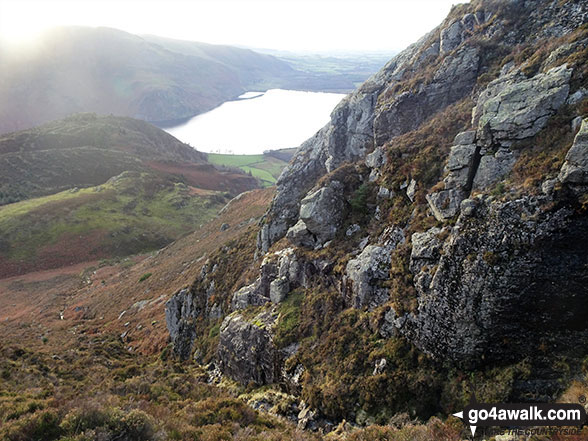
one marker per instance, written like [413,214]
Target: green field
[266,167]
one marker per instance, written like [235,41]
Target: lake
[258,121]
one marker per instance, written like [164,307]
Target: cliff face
[442,212]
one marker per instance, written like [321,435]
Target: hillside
[107,71]
[86,150]
[427,244]
[87,188]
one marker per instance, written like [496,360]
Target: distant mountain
[108,71]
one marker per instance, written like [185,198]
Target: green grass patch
[288,324]
[131,213]
[266,167]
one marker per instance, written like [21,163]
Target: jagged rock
[461,156]
[323,211]
[514,107]
[383,193]
[445,203]
[575,168]
[454,78]
[279,289]
[465,138]
[379,366]
[494,167]
[425,248]
[300,236]
[368,270]
[576,123]
[247,296]
[354,228]
[246,352]
[548,186]
[411,190]
[577,96]
[468,207]
[224,227]
[454,34]
[181,311]
[307,418]
[376,159]
[215,312]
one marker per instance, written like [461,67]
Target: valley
[420,248]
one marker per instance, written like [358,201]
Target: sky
[295,25]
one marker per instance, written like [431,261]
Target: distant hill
[88,187]
[85,150]
[103,70]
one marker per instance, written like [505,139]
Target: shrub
[144,277]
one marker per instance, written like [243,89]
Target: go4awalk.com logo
[521,415]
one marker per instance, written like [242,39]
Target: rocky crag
[435,228]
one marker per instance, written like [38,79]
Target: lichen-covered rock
[514,107]
[512,269]
[180,312]
[246,352]
[279,289]
[494,167]
[445,203]
[323,211]
[300,236]
[365,273]
[246,296]
[575,168]
[425,248]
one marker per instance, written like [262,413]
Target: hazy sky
[277,24]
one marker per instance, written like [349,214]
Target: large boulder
[365,274]
[246,352]
[323,211]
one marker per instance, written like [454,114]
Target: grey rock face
[300,236]
[425,247]
[575,168]
[511,269]
[454,34]
[247,296]
[279,289]
[323,211]
[365,274]
[494,167]
[461,167]
[445,203]
[454,79]
[246,352]
[513,107]
[180,312]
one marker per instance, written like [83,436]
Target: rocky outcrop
[246,352]
[512,269]
[511,108]
[181,310]
[365,274]
[515,107]
[575,168]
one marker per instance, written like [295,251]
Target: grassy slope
[131,213]
[266,167]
